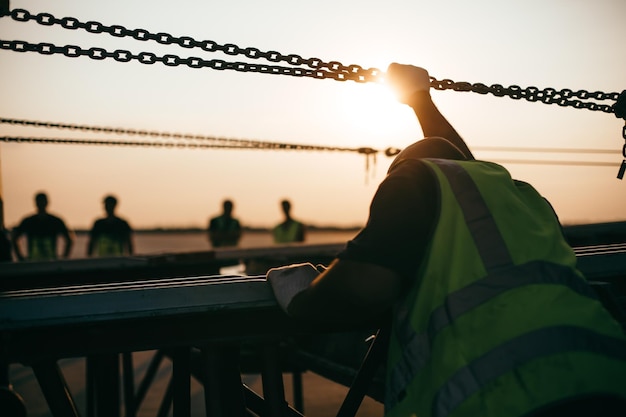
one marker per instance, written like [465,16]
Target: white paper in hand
[287,281]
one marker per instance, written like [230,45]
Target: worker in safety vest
[290,230]
[490,317]
[110,235]
[42,231]
[224,229]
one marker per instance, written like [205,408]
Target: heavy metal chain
[217,142]
[126,143]
[317,68]
[297,66]
[161,144]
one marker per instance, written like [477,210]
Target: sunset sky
[575,44]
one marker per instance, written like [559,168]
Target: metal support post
[4,8]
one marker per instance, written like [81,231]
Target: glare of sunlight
[373,110]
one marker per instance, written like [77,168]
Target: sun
[373,110]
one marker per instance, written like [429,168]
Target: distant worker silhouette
[224,230]
[6,249]
[290,230]
[489,315]
[42,231]
[110,235]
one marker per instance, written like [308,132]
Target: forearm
[90,247]
[347,293]
[15,244]
[69,242]
[433,123]
[18,251]
[322,311]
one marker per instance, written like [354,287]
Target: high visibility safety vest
[227,224]
[499,321]
[42,248]
[224,231]
[287,234]
[110,246]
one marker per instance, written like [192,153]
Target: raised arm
[358,289]
[412,85]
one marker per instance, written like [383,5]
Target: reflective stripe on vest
[478,218]
[504,358]
[501,276]
[417,346]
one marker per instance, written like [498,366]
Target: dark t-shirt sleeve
[117,227]
[47,226]
[61,226]
[402,215]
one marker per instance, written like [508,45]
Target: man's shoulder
[56,219]
[409,167]
[27,219]
[412,175]
[37,223]
[120,221]
[38,218]
[110,222]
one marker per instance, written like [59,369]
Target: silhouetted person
[6,250]
[224,230]
[42,231]
[110,235]
[489,315]
[290,230]
[5,246]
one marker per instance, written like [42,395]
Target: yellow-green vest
[287,234]
[42,248]
[499,321]
[109,246]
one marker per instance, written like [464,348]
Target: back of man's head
[110,202]
[432,147]
[41,201]
[227,205]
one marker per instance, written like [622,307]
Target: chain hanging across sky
[280,64]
